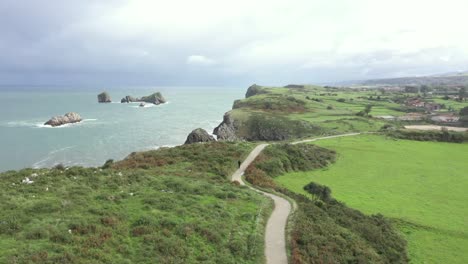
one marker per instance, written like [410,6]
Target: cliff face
[227,130]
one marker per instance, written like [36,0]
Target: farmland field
[420,185]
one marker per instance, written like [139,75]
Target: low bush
[281,158]
[327,231]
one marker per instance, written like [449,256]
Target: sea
[109,130]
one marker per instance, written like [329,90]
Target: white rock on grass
[27,181]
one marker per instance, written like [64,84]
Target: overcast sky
[217,42]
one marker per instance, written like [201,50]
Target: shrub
[281,158]
[330,232]
[60,167]
[320,191]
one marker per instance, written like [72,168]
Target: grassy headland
[171,205]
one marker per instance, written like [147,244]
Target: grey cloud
[57,41]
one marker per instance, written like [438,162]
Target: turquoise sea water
[109,131]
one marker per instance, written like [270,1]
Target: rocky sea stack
[227,130]
[199,135]
[104,97]
[155,98]
[129,99]
[68,118]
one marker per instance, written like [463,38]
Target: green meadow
[421,186]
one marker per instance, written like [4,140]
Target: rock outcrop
[227,129]
[128,99]
[104,97]
[199,135]
[254,90]
[68,118]
[155,98]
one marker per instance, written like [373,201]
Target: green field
[421,185]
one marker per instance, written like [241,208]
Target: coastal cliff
[262,115]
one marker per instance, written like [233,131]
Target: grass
[172,205]
[422,185]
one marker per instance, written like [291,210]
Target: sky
[217,42]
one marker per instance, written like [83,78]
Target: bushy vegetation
[278,159]
[216,159]
[441,136]
[319,191]
[327,231]
[164,206]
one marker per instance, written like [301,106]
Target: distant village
[421,100]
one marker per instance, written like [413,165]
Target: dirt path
[275,233]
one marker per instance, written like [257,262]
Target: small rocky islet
[68,118]
[104,97]
[155,98]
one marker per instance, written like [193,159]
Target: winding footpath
[275,233]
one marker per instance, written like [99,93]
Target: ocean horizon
[109,130]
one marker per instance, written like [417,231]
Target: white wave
[147,105]
[162,146]
[37,124]
[51,157]
[41,125]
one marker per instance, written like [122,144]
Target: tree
[320,191]
[464,111]
[464,115]
[368,109]
[462,93]
[411,89]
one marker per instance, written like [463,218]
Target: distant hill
[448,79]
